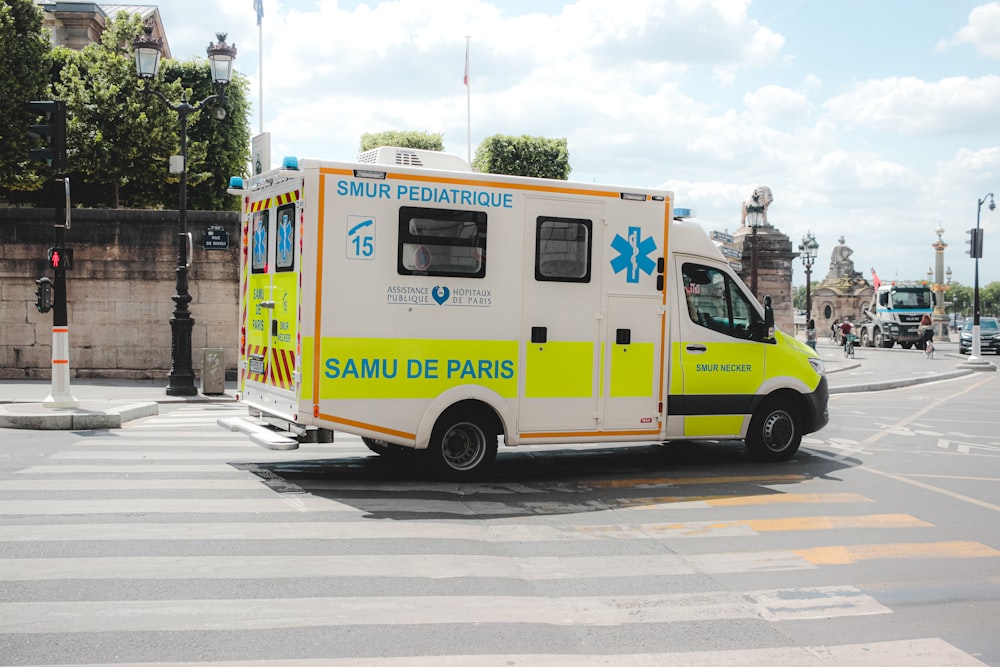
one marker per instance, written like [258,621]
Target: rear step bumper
[259,432]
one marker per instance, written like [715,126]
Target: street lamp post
[147,50]
[755,220]
[807,251]
[977,348]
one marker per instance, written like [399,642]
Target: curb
[902,382]
[88,416]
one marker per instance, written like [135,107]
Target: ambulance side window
[259,233]
[562,249]
[284,257]
[441,242]
[715,301]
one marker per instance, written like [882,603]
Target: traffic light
[61,258]
[975,242]
[52,130]
[43,295]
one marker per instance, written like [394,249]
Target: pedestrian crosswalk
[173,541]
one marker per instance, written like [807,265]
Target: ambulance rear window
[441,242]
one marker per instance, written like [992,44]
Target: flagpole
[468,104]
[260,75]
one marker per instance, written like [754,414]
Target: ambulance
[408,300]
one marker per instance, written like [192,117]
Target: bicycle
[849,340]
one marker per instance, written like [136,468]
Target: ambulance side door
[720,357]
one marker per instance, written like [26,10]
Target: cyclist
[846,330]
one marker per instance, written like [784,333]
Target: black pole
[753,261]
[975,284]
[808,292]
[181,324]
[60,316]
[181,380]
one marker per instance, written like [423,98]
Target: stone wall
[118,291]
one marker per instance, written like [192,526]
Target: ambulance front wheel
[464,443]
[775,431]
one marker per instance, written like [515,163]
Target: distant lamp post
[755,220]
[975,250]
[147,50]
[807,251]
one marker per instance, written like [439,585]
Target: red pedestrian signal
[61,258]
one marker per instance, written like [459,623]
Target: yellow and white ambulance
[411,301]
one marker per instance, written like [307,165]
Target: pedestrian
[834,330]
[926,331]
[811,333]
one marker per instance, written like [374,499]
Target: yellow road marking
[834,522]
[852,554]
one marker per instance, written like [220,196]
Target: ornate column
[939,287]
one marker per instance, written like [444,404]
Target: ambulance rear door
[272,303]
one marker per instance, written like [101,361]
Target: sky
[874,120]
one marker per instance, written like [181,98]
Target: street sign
[722,237]
[215,238]
[730,252]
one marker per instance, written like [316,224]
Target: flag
[258,6]
[465,79]
[875,281]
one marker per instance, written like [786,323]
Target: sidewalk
[102,403]
[105,404]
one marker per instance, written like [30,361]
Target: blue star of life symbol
[285,241]
[259,244]
[633,254]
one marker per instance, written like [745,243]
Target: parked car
[989,336]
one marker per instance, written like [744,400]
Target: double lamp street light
[147,50]
[807,251]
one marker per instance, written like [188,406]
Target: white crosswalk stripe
[132,523]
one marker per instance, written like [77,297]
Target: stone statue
[841,264]
[756,207]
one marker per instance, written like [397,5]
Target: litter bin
[213,370]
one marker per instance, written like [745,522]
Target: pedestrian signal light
[61,258]
[43,295]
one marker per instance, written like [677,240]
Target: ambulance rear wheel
[775,431]
[463,444]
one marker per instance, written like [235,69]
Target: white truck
[893,316]
[405,299]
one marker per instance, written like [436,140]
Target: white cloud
[982,31]
[909,105]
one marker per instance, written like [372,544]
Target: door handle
[697,348]
[267,304]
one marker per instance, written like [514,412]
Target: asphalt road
[173,540]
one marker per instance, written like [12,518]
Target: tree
[118,139]
[217,148]
[523,156]
[24,71]
[421,140]
[121,138]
